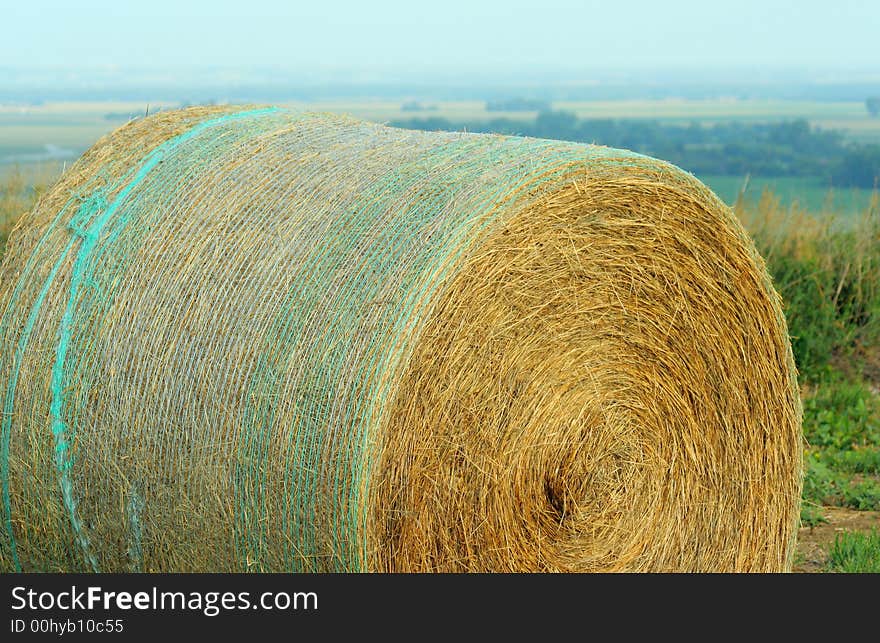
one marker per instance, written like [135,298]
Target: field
[40,139]
[851,117]
[57,131]
[62,131]
[801,193]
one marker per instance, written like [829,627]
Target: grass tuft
[855,553]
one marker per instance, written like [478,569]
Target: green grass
[811,514]
[828,275]
[841,415]
[825,485]
[855,553]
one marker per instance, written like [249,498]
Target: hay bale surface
[249,339]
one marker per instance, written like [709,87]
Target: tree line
[788,148]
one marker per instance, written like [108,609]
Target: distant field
[808,193]
[58,131]
[39,140]
[62,131]
[849,116]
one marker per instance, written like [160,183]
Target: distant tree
[786,148]
[792,133]
[873,105]
[558,125]
[859,167]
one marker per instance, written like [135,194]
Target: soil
[813,542]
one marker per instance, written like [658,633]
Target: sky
[452,36]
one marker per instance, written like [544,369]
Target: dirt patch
[813,542]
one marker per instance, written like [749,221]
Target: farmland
[850,117]
[811,194]
[74,126]
[34,137]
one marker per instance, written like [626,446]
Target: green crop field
[811,194]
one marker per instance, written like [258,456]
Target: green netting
[199,335]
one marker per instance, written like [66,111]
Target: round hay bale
[250,339]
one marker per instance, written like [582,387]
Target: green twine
[87,224]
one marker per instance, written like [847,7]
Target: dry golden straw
[249,339]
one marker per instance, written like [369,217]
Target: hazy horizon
[467,39]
